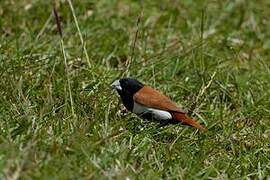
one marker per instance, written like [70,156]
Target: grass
[60,120]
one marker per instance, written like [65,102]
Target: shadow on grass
[160,132]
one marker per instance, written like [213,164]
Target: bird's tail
[183,118]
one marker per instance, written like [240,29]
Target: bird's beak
[116,85]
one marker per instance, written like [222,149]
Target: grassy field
[59,118]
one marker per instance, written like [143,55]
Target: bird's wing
[150,97]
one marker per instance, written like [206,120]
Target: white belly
[157,114]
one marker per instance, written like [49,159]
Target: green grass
[62,121]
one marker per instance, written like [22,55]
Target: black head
[126,88]
[127,85]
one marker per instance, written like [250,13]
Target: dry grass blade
[80,33]
[131,59]
[58,22]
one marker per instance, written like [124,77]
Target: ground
[59,118]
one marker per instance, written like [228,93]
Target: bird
[149,103]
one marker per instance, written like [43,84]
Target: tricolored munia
[149,103]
